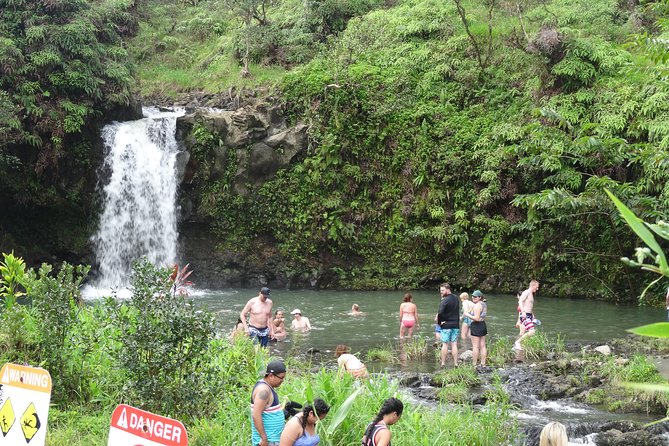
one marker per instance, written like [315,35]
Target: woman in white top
[467,306]
[349,363]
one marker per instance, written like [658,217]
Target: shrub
[165,347]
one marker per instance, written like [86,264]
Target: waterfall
[139,198]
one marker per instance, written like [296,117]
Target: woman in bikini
[408,316]
[279,326]
[301,429]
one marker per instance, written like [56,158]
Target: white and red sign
[136,427]
[24,405]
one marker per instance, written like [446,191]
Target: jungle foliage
[62,65]
[462,140]
[459,140]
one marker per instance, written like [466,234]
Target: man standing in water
[526,304]
[260,324]
[267,418]
[448,319]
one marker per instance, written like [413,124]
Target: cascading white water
[139,217]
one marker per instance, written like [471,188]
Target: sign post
[24,405]
[135,427]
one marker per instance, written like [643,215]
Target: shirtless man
[526,305]
[260,324]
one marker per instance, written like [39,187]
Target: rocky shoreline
[576,384]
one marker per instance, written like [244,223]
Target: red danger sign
[133,426]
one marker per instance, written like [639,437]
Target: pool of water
[575,320]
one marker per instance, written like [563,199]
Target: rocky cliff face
[262,143]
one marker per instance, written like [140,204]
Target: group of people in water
[456,317]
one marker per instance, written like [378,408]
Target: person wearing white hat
[299,322]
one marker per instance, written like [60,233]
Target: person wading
[527,318]
[408,316]
[448,319]
[260,326]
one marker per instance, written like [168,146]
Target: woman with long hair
[301,429]
[350,363]
[478,329]
[377,432]
[408,316]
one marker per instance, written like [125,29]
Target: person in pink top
[408,316]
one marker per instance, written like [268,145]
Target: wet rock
[604,350]
[410,380]
[466,355]
[615,437]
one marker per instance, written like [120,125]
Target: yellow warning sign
[6,417]
[30,423]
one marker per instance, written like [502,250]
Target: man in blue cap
[260,324]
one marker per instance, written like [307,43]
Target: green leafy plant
[165,346]
[13,278]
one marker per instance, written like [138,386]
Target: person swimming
[279,325]
[355,311]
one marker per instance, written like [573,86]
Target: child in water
[467,306]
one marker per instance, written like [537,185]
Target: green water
[576,320]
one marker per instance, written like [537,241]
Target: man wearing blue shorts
[448,319]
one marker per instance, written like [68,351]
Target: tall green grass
[230,424]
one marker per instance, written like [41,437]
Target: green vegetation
[447,140]
[128,351]
[62,66]
[541,345]
[440,150]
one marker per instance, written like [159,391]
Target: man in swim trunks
[526,304]
[448,319]
[260,324]
[267,417]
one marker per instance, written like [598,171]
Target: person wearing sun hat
[299,322]
[478,329]
[267,417]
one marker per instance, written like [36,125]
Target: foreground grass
[230,425]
